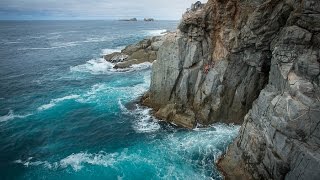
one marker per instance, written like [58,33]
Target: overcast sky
[93,9]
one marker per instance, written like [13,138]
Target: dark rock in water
[148,19]
[144,51]
[132,19]
[116,57]
[253,62]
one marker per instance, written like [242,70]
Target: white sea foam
[37,37]
[54,37]
[54,46]
[12,42]
[12,76]
[94,66]
[190,149]
[96,39]
[76,161]
[100,66]
[143,122]
[57,45]
[128,93]
[213,139]
[79,160]
[110,51]
[29,162]
[11,116]
[54,102]
[158,32]
[55,33]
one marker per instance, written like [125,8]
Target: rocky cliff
[253,62]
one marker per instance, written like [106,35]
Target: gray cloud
[99,9]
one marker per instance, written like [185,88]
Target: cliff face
[253,61]
[211,70]
[280,136]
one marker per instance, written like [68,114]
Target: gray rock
[144,51]
[148,19]
[250,62]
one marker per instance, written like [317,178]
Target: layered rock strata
[253,62]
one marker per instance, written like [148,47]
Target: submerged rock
[144,51]
[251,62]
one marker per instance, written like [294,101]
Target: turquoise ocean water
[66,114]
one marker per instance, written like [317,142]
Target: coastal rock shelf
[250,62]
[144,51]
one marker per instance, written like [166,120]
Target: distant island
[148,19]
[132,19]
[135,19]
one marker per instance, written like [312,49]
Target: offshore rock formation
[148,19]
[253,62]
[144,51]
[132,19]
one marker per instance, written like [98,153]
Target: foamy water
[66,113]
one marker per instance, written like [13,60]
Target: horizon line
[85,20]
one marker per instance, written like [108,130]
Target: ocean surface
[65,113]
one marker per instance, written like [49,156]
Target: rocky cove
[255,63]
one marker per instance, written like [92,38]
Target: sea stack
[255,63]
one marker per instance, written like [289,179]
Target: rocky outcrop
[132,19]
[253,62]
[144,51]
[148,19]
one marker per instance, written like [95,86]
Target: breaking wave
[143,122]
[110,51]
[11,116]
[187,150]
[54,102]
[101,66]
[158,32]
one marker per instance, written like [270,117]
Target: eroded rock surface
[205,70]
[280,136]
[253,62]
[144,51]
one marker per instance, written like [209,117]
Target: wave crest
[54,102]
[11,116]
[157,32]
[101,66]
[110,51]
[144,122]
[79,160]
